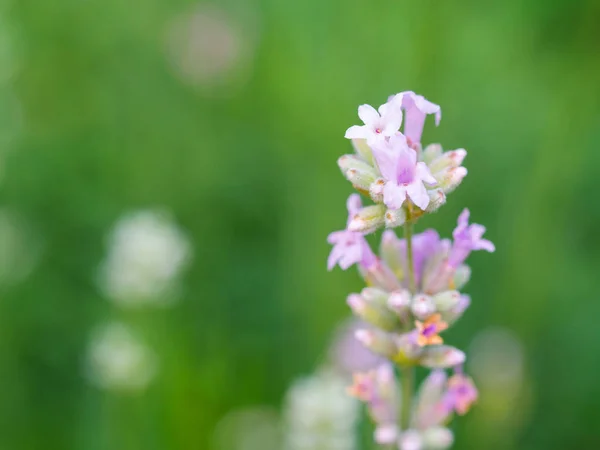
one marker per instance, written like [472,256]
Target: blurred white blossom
[253,428]
[20,247]
[497,359]
[146,254]
[209,46]
[319,414]
[118,360]
[498,364]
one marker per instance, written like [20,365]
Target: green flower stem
[407,381]
[407,374]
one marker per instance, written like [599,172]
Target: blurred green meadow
[231,116]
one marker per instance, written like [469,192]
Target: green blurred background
[231,115]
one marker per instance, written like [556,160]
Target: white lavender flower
[319,415]
[146,254]
[118,360]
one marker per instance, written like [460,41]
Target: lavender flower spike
[416,108]
[466,239]
[403,174]
[377,125]
[350,247]
[414,291]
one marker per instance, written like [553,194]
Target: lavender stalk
[413,284]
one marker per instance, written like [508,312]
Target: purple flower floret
[466,239]
[350,247]
[461,393]
[416,108]
[404,176]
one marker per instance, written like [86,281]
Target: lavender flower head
[413,286]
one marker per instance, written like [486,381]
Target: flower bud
[446,301]
[375,296]
[347,162]
[438,275]
[450,178]
[448,160]
[373,312]
[458,310]
[368,219]
[461,276]
[399,302]
[395,218]
[422,306]
[360,179]
[363,150]
[391,254]
[431,153]
[428,412]
[379,275]
[438,438]
[377,341]
[441,357]
[436,199]
[376,190]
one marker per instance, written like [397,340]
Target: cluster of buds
[413,284]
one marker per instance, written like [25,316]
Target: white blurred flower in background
[497,359]
[118,360]
[252,428]
[146,254]
[20,247]
[209,46]
[497,363]
[319,414]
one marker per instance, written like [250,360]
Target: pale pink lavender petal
[357,132]
[424,174]
[416,108]
[418,194]
[368,114]
[394,195]
[377,125]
